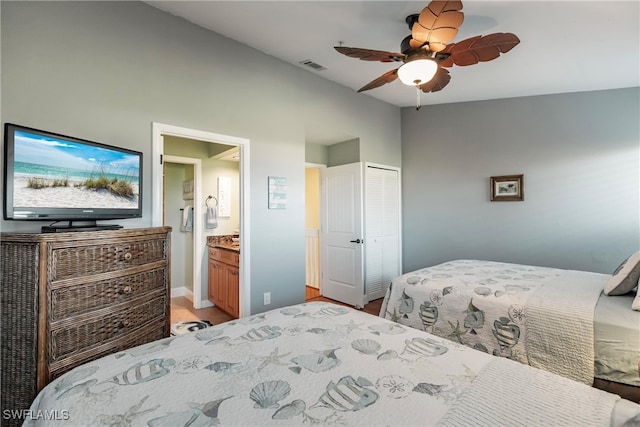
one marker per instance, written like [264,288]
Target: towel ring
[207,201]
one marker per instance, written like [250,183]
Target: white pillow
[626,276]
[636,301]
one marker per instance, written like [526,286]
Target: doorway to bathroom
[203,185]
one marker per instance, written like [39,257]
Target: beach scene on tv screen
[54,172]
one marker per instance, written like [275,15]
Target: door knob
[357,241]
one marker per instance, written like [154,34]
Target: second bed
[554,319]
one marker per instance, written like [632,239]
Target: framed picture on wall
[187,190]
[507,188]
[277,192]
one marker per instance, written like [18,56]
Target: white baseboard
[205,303]
[182,291]
[188,294]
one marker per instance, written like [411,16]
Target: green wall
[105,71]
[580,156]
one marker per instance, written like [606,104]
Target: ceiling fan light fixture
[417,72]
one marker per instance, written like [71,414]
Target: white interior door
[382,229]
[341,234]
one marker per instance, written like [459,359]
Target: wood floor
[182,310]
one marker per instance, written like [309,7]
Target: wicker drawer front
[87,297]
[79,261]
[88,333]
[144,335]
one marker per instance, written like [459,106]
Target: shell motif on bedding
[249,320]
[208,334]
[482,290]
[413,280]
[269,393]
[388,355]
[290,311]
[366,346]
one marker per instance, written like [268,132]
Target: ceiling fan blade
[438,82]
[479,49]
[437,25]
[370,54]
[387,77]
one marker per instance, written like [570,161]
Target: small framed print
[507,188]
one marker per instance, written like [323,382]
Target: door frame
[158,131]
[321,167]
[197,226]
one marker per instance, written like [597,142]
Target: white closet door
[382,229]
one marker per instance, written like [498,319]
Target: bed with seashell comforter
[318,363]
[538,316]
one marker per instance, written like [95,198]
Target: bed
[317,363]
[554,319]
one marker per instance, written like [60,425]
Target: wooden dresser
[68,298]
[224,283]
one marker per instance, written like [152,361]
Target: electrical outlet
[267,298]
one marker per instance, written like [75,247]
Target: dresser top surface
[82,235]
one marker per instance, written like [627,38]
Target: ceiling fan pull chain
[417,97]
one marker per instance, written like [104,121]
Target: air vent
[309,63]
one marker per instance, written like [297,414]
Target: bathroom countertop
[228,246]
[223,242]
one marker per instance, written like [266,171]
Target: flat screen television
[69,181]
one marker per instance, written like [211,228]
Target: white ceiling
[566,46]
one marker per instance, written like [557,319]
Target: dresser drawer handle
[127,256]
[124,290]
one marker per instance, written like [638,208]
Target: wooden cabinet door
[213,272]
[222,286]
[233,291]
[224,280]
[217,283]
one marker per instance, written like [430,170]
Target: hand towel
[212,217]
[187,219]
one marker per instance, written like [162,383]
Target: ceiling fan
[425,53]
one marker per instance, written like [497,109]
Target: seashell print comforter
[534,315]
[317,363]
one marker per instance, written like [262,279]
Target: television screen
[55,177]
